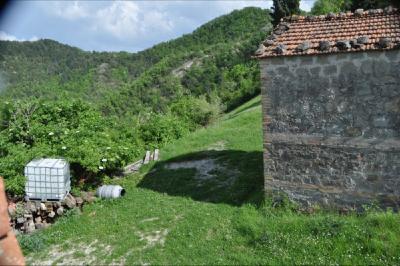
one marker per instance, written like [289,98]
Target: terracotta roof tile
[302,35]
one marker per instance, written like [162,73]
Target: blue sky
[113,25]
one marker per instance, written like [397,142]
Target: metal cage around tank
[47,179]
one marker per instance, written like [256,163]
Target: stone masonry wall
[332,127]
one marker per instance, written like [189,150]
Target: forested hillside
[47,69]
[101,110]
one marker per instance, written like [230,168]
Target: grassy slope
[166,217]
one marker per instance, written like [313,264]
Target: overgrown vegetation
[172,216]
[94,145]
[102,110]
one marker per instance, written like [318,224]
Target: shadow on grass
[229,176]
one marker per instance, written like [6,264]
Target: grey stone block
[330,70]
[381,122]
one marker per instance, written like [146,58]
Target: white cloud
[7,37]
[4,36]
[69,10]
[127,20]
[119,19]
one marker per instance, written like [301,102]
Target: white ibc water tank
[47,179]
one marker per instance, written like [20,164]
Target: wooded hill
[213,60]
[102,110]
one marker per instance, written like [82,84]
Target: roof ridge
[347,14]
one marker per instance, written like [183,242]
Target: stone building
[331,108]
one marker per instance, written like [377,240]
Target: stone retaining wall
[332,127]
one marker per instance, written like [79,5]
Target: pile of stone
[28,216]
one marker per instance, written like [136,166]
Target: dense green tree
[284,8]
[325,6]
[322,7]
[371,4]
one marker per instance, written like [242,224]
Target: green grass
[174,217]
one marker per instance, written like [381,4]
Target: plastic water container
[110,191]
[47,179]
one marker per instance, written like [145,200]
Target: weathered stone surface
[40,226]
[334,138]
[324,45]
[355,44]
[28,215]
[31,206]
[60,211]
[29,227]
[49,207]
[11,211]
[79,201]
[381,68]
[384,42]
[381,122]
[304,46]
[311,18]
[315,70]
[362,40]
[260,50]
[271,37]
[367,66]
[388,10]
[359,12]
[349,68]
[268,42]
[70,201]
[323,60]
[330,69]
[280,48]
[343,44]
[306,60]
[88,196]
[284,26]
[353,132]
[364,91]
[330,15]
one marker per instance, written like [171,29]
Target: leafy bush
[196,111]
[71,130]
[160,129]
[95,146]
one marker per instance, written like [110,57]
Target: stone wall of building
[332,127]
